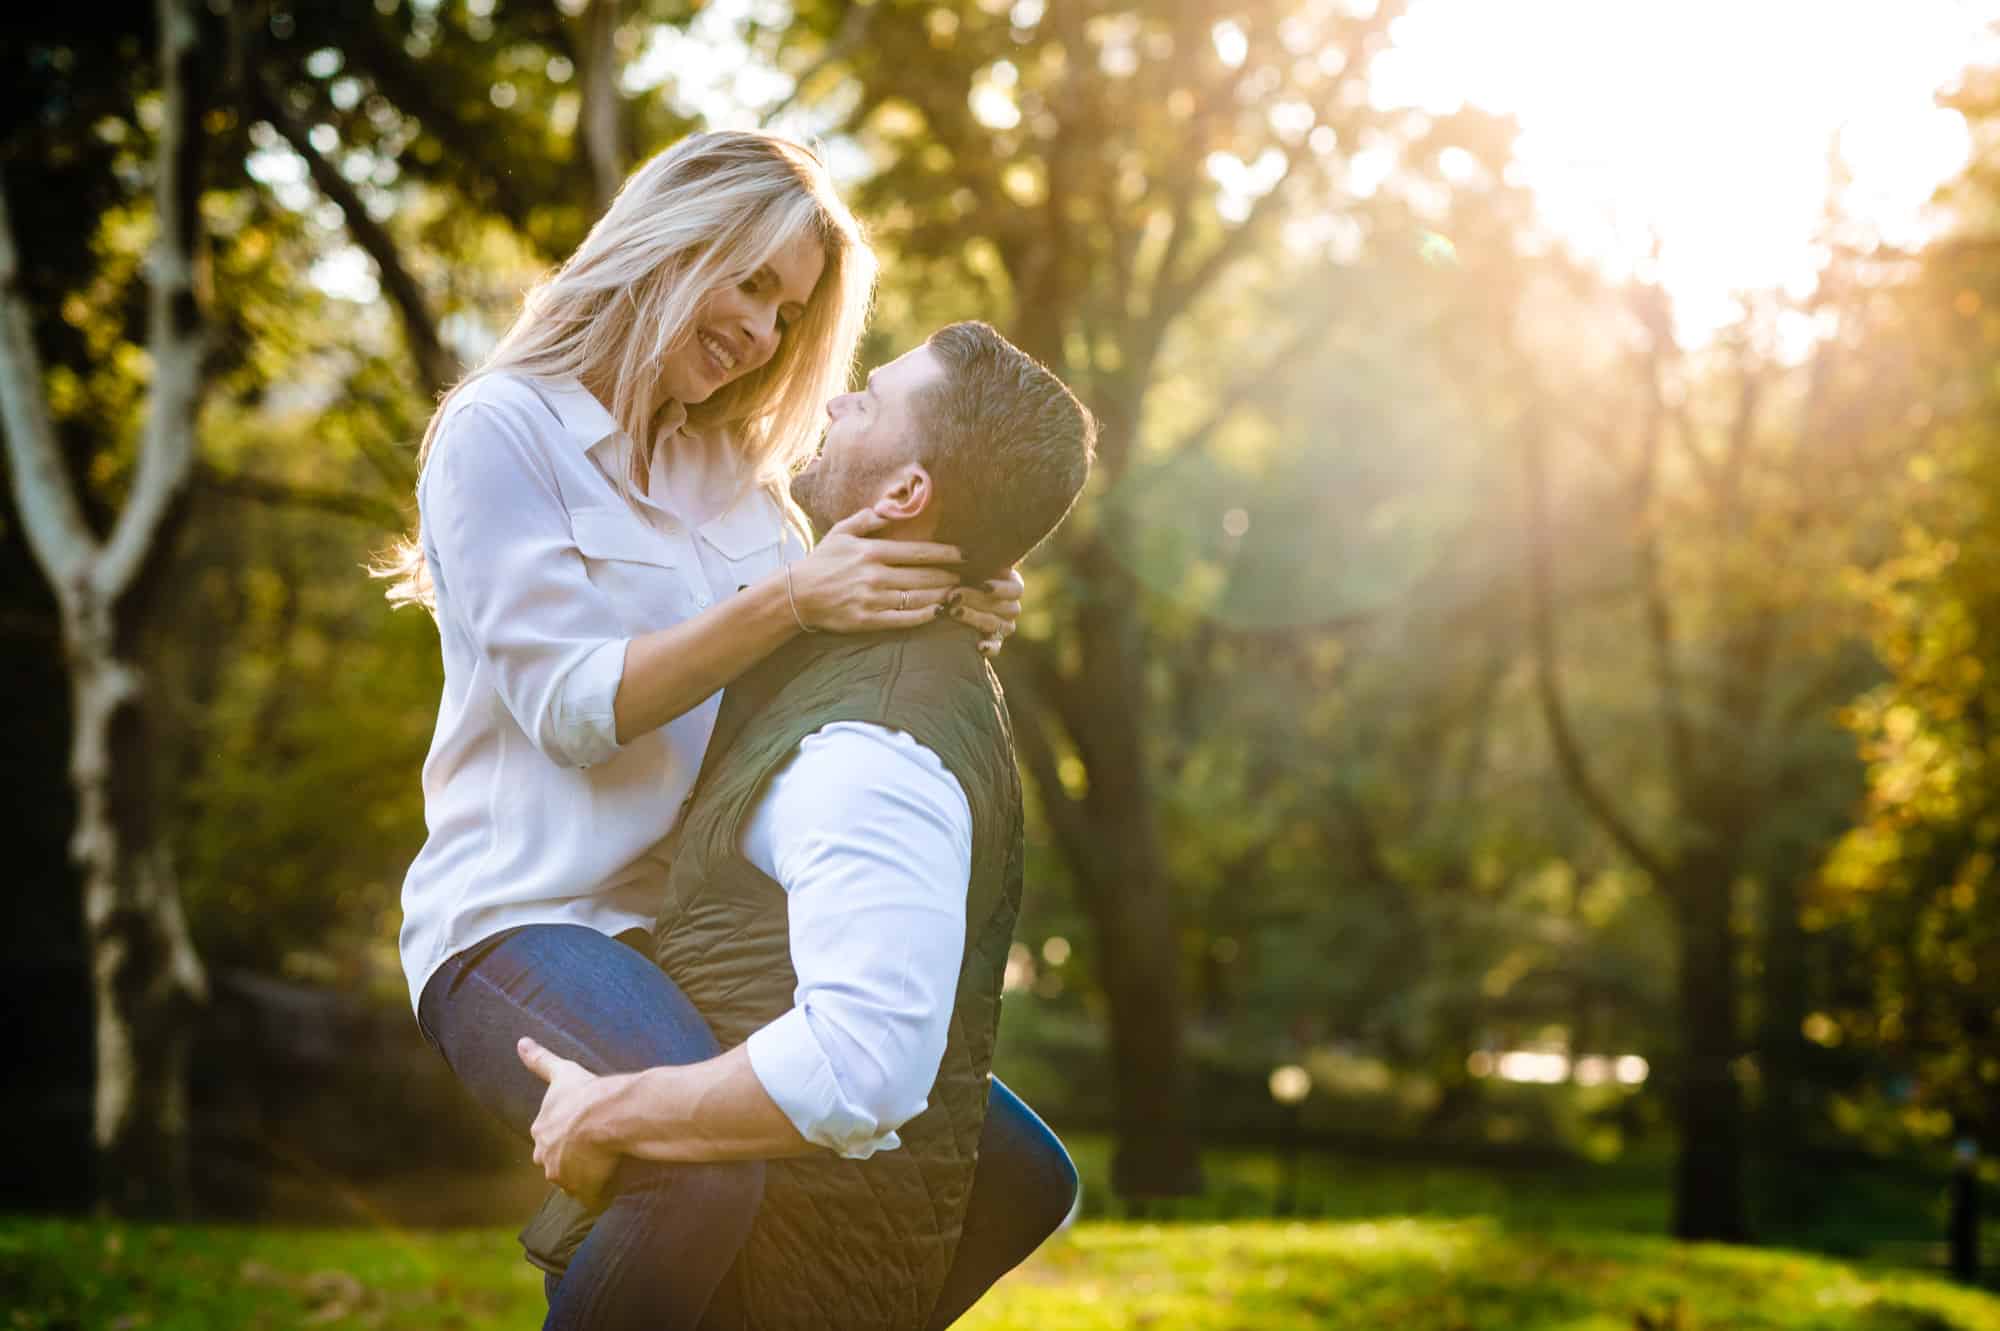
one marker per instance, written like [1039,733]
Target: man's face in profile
[869,435]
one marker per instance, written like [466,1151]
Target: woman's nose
[761,327]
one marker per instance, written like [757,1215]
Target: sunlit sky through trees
[1707,126]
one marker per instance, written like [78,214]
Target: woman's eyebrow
[794,308]
[776,280]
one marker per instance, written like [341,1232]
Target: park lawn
[1409,1274]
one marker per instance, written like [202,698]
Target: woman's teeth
[719,351]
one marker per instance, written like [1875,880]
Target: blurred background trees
[1555,731]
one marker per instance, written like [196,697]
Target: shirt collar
[586,420]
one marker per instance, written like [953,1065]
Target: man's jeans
[660,1249]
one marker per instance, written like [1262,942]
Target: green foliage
[1912,892]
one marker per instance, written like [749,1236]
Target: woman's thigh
[1022,1191]
[583,995]
[1026,1153]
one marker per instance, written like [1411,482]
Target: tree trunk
[1108,839]
[146,981]
[1783,1115]
[1139,968]
[1130,899]
[1708,1175]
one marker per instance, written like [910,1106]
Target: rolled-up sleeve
[517,586]
[875,873]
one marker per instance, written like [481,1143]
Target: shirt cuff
[798,1077]
[589,722]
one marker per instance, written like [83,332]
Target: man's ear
[910,494]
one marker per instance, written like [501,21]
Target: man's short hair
[1007,444]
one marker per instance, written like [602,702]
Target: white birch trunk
[146,980]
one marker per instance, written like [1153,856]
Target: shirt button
[701,601]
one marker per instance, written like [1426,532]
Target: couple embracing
[724,846]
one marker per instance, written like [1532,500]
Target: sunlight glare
[1704,130]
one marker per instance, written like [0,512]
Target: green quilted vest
[839,1244]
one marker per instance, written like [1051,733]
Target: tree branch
[1067,818]
[1472,756]
[282,494]
[1548,685]
[1180,220]
[1173,295]
[57,532]
[602,125]
[415,90]
[853,31]
[1362,841]
[174,333]
[390,463]
[1659,615]
[1742,429]
[434,365]
[1705,467]
[1026,664]
[1302,341]
[393,464]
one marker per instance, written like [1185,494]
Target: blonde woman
[606,540]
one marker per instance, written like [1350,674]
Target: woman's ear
[910,495]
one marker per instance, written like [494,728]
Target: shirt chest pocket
[749,540]
[643,575]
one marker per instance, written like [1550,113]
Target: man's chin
[803,496]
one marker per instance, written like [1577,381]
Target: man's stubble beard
[807,492]
[827,496]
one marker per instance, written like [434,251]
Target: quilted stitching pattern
[857,1245]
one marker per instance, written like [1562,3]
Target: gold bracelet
[793,603]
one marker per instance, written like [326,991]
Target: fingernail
[994,585]
[953,599]
[938,613]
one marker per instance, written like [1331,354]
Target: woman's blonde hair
[706,213]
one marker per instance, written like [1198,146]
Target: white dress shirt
[871,838]
[542,573]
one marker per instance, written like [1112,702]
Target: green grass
[1409,1274]
[1457,1275]
[90,1276]
[1878,1215]
[1382,1243]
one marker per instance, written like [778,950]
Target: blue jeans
[660,1249]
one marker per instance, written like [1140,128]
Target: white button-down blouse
[542,572]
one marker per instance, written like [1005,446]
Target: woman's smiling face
[738,328]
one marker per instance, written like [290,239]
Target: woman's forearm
[671,671]
[716,1110]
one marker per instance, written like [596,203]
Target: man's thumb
[539,1060]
